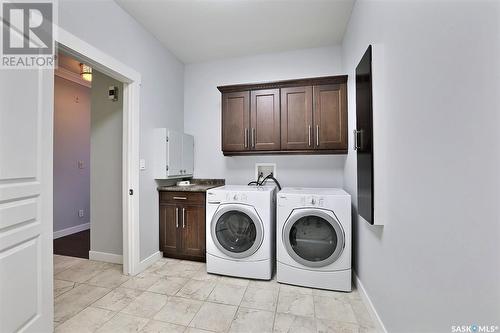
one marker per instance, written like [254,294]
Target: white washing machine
[241,231]
[314,238]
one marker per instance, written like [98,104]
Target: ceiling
[202,30]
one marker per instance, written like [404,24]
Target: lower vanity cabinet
[182,225]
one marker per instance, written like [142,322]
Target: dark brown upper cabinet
[265,119]
[330,117]
[296,118]
[304,116]
[235,121]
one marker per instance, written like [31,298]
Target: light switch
[81,164]
[142,164]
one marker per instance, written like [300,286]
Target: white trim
[149,261]
[71,230]
[106,257]
[131,79]
[368,303]
[71,76]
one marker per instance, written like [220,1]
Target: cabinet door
[187,154]
[174,153]
[296,118]
[193,230]
[330,116]
[265,120]
[169,223]
[235,121]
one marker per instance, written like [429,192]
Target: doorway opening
[88,146]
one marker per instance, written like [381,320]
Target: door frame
[131,79]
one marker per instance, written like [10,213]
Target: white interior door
[174,148]
[26,118]
[188,154]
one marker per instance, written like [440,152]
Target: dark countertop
[197,185]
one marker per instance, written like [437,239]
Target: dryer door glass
[235,231]
[313,238]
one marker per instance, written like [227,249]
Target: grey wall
[202,116]
[109,28]
[437,261]
[71,144]
[106,144]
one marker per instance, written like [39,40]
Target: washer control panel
[236,197]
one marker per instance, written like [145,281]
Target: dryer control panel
[312,200]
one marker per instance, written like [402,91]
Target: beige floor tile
[110,278]
[88,320]
[263,284]
[260,298]
[227,294]
[168,285]
[234,280]
[178,269]
[361,312]
[61,286]
[287,323]
[155,326]
[178,311]
[196,290]
[338,295]
[75,300]
[142,281]
[62,263]
[288,288]
[328,326]
[117,299]
[202,275]
[196,330]
[214,317]
[123,323]
[332,309]
[82,271]
[296,304]
[252,321]
[146,305]
[199,265]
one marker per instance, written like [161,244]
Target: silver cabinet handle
[246,137]
[180,198]
[309,135]
[253,137]
[176,217]
[317,135]
[358,134]
[183,218]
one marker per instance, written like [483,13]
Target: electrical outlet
[265,168]
[80,213]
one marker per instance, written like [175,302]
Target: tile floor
[179,296]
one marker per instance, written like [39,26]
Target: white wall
[202,116]
[106,144]
[109,28]
[437,261]
[71,144]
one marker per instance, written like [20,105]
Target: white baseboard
[148,262]
[106,257]
[71,230]
[368,303]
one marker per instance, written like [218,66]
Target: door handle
[309,135]
[176,217]
[180,198]
[317,135]
[183,218]
[246,137]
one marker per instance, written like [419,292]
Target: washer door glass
[313,238]
[237,230]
